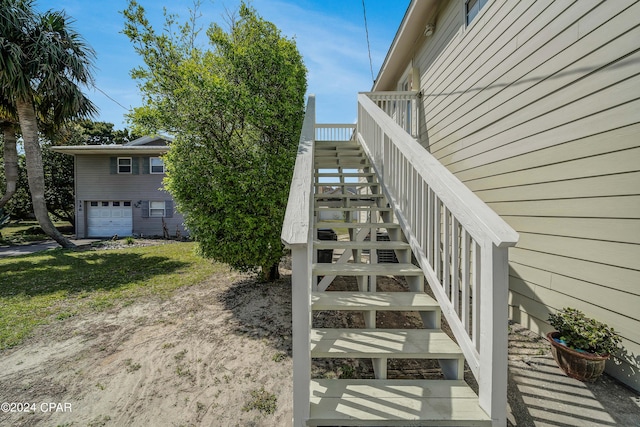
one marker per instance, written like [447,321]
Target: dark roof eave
[418,14]
[93,150]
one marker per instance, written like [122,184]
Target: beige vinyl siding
[625,207]
[536,108]
[95,182]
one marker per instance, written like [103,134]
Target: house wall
[536,108]
[95,182]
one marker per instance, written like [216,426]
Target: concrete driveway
[8,251]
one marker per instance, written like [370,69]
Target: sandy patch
[193,359]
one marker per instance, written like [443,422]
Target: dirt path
[199,358]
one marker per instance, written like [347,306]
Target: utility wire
[366,29]
[105,94]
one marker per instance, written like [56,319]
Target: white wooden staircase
[344,167]
[338,171]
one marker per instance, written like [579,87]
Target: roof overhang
[123,150]
[149,138]
[410,33]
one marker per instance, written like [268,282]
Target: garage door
[106,218]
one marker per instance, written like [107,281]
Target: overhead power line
[366,29]
[105,94]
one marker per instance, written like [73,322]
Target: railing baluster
[334,132]
[446,254]
[459,242]
[437,234]
[455,279]
[430,230]
[475,296]
[466,279]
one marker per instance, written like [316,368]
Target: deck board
[395,402]
[384,343]
[380,301]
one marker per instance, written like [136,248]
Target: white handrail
[297,218]
[459,242]
[479,218]
[296,234]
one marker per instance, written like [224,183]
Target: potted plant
[581,345]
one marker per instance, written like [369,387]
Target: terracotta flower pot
[578,365]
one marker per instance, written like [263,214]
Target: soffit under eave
[410,34]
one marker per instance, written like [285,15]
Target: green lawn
[17,233]
[53,285]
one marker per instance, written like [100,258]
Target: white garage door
[106,218]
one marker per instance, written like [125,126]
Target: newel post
[301,319]
[494,336]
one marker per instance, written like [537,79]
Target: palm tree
[42,61]
[8,121]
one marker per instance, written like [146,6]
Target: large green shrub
[236,109]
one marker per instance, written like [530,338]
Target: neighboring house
[535,107]
[119,189]
[328,214]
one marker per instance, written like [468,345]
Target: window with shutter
[124,164]
[157,165]
[157,209]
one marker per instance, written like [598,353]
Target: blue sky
[330,34]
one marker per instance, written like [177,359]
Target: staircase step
[356,225]
[394,403]
[335,153]
[341,144]
[353,204]
[361,269]
[341,163]
[341,158]
[332,244]
[343,174]
[347,184]
[347,196]
[384,343]
[379,301]
[366,208]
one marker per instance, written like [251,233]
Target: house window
[126,203]
[472,8]
[156,209]
[124,164]
[157,165]
[105,203]
[94,204]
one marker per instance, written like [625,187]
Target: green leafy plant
[582,333]
[263,401]
[254,79]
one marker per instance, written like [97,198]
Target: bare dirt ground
[219,354]
[216,354]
